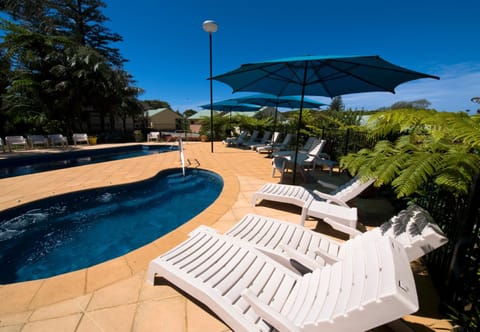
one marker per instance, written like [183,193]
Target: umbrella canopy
[319,76]
[232,105]
[266,99]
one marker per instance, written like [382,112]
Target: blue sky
[168,51]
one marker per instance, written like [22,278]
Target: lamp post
[210,26]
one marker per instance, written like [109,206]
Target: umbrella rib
[347,72]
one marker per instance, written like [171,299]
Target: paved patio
[113,296]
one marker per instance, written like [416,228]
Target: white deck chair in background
[12,141]
[57,139]
[316,203]
[275,147]
[80,138]
[249,291]
[35,140]
[264,140]
[247,141]
[309,144]
[268,142]
[153,136]
[305,161]
[235,140]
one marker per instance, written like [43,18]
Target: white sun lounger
[276,147]
[413,228]
[314,203]
[251,292]
[265,138]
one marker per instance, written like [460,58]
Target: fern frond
[420,168]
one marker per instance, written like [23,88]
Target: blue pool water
[78,230]
[47,162]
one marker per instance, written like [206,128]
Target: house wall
[166,120]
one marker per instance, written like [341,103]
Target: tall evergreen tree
[83,22]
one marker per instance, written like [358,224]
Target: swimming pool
[74,231]
[50,161]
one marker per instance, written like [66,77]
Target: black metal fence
[454,267]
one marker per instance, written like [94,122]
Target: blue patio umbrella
[319,76]
[266,99]
[230,105]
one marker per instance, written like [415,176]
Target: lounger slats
[346,287]
[298,297]
[333,290]
[232,270]
[370,291]
[309,299]
[358,283]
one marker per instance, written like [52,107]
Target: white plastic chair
[57,139]
[153,136]
[12,141]
[80,138]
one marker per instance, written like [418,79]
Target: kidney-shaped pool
[74,231]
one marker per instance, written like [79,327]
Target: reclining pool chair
[309,144]
[413,228]
[304,160]
[249,291]
[316,202]
[276,147]
[264,140]
[229,141]
[267,142]
[247,141]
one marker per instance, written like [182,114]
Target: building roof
[201,114]
[154,112]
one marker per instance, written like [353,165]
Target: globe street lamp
[210,26]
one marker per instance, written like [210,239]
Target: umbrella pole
[275,121]
[299,123]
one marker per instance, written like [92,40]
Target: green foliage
[420,146]
[61,65]
[155,104]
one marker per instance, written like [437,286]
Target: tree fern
[427,145]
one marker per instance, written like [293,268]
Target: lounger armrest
[275,319]
[301,258]
[330,198]
[327,258]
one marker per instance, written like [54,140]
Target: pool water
[47,162]
[78,230]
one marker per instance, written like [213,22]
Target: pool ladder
[182,157]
